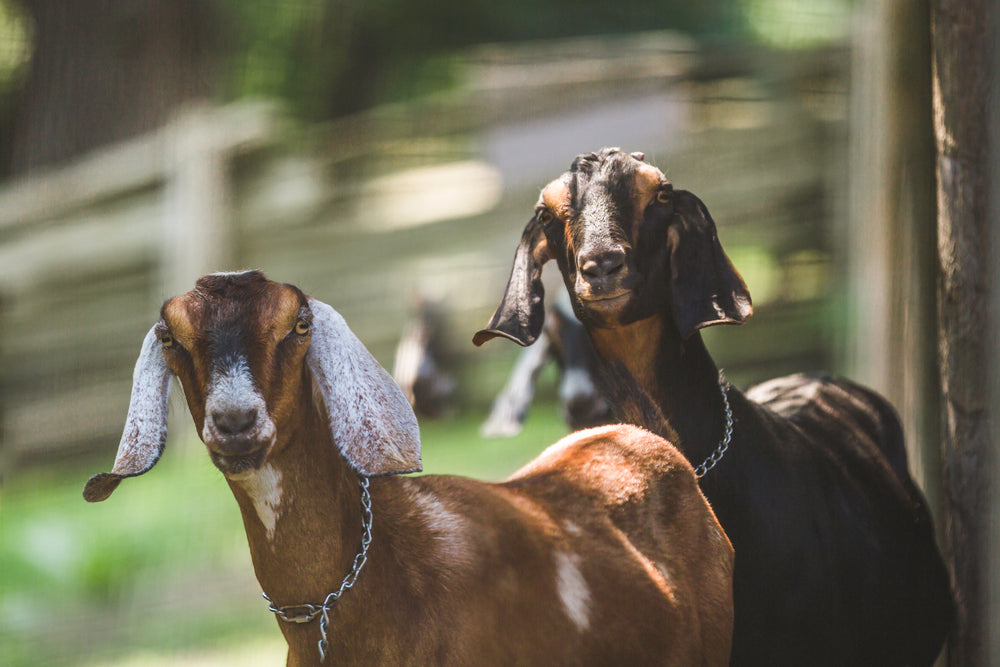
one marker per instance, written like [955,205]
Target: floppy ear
[145,431]
[522,310]
[705,287]
[371,421]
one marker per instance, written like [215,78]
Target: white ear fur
[146,424]
[371,421]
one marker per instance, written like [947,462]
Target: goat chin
[239,467]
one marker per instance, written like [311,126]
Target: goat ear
[705,287]
[145,431]
[370,419]
[521,313]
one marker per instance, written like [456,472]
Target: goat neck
[678,374]
[301,514]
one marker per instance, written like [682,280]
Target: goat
[423,362]
[836,560]
[564,341]
[600,551]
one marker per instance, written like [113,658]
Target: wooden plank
[305,219]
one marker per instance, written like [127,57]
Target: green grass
[162,567]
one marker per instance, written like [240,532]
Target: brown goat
[836,561]
[600,551]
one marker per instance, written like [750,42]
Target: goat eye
[302,327]
[544,216]
[167,340]
[663,196]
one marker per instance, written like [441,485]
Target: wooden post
[961,125]
[891,228]
[197,235]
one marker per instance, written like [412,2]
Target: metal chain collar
[304,613]
[720,451]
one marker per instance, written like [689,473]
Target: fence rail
[428,197]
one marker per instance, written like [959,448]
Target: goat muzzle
[603,277]
[238,439]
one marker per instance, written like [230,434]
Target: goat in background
[600,551]
[564,341]
[423,364]
[836,561]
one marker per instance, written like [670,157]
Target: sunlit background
[380,155]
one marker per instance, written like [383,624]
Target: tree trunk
[961,124]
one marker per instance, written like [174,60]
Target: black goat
[836,561]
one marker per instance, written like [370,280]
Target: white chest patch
[264,489]
[572,589]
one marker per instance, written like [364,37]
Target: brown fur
[601,551]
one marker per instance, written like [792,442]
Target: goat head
[628,245]
[247,351]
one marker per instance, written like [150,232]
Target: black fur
[836,560]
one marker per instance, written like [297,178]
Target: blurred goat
[836,558]
[564,341]
[422,361]
[600,551]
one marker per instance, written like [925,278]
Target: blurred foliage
[15,53]
[15,43]
[331,57]
[794,24]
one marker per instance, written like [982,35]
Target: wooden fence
[427,197]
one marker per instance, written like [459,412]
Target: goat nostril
[233,422]
[603,264]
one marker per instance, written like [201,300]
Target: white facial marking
[572,589]
[234,389]
[264,488]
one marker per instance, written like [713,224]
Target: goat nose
[600,265]
[234,421]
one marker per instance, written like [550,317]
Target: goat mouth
[236,465]
[604,300]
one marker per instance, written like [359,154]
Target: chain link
[720,451]
[309,612]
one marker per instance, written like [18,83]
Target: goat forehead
[228,343]
[606,191]
[619,173]
[229,314]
